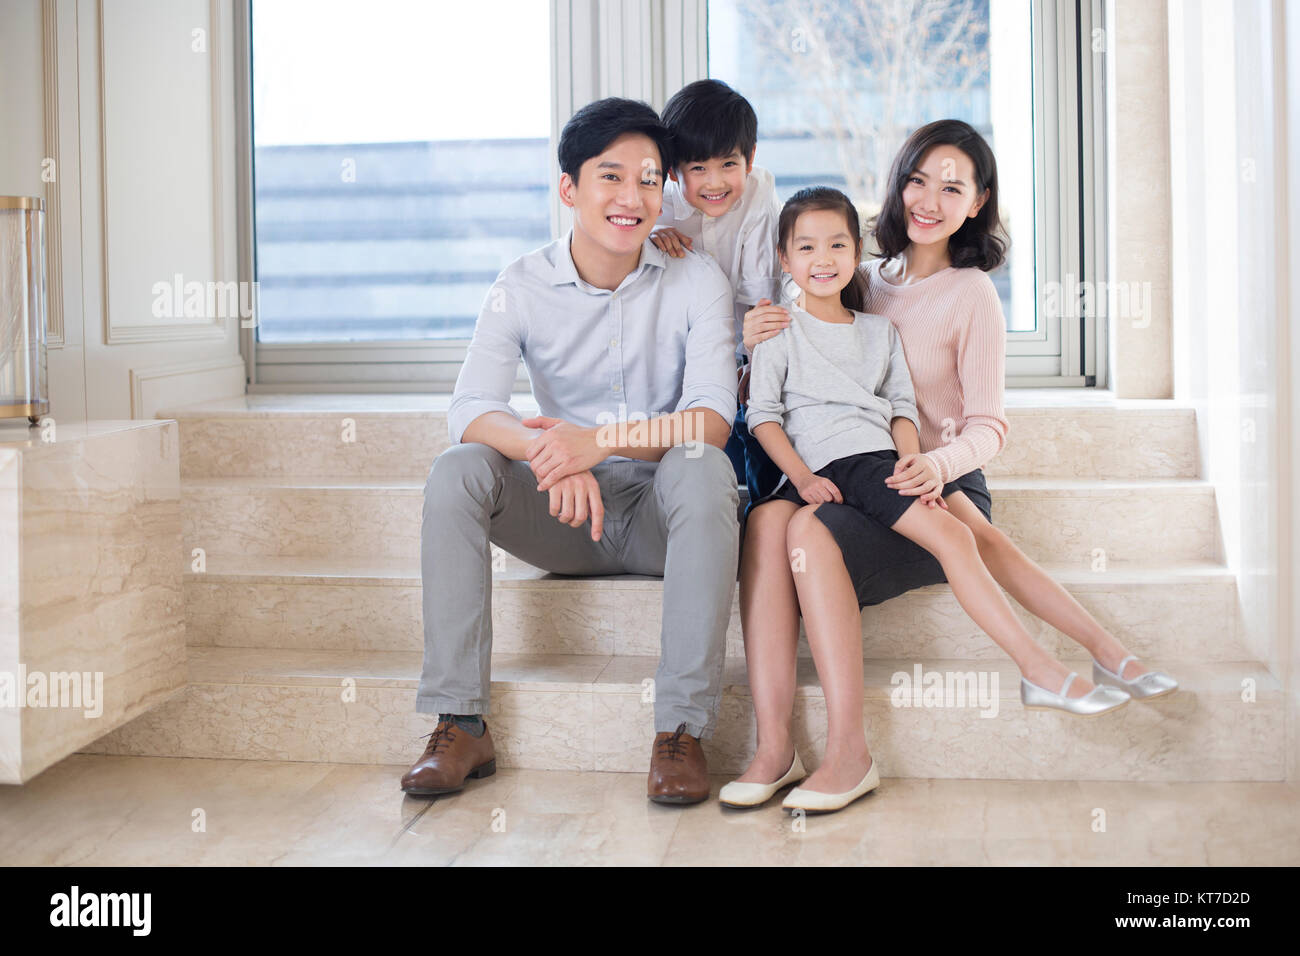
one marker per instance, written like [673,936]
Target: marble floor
[94,810]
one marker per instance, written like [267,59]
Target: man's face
[618,195]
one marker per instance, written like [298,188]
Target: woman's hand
[762,322]
[915,475]
[815,489]
[671,241]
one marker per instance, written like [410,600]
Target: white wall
[1289,254]
[140,124]
[1232,322]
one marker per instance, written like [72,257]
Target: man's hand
[914,475]
[763,321]
[577,497]
[815,489]
[671,241]
[561,450]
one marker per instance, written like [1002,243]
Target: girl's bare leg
[769,616]
[834,625]
[953,543]
[1037,592]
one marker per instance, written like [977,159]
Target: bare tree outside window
[838,86]
[873,67]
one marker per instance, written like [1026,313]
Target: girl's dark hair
[981,242]
[854,295]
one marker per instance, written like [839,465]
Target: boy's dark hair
[981,241]
[854,295]
[708,120]
[590,131]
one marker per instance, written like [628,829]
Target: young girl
[938,231]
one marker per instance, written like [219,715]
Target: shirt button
[618,388]
[613,343]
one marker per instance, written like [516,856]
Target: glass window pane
[839,84]
[401,160]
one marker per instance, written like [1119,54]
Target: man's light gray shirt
[834,388]
[661,342]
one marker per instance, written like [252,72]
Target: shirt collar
[566,272]
[678,205]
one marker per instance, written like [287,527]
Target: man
[611,330]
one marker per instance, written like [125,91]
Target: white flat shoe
[814,801]
[1143,687]
[748,795]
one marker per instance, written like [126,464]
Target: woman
[939,233]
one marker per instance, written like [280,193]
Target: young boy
[719,203]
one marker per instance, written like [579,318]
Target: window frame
[644,50]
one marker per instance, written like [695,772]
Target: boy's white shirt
[742,240]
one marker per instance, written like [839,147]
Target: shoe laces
[671,747]
[442,736]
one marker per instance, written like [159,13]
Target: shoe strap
[1068,681]
[1119,671]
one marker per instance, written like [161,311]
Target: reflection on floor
[102,810]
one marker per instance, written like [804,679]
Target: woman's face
[940,194]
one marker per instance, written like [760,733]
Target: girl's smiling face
[940,195]
[821,254]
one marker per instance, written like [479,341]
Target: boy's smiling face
[715,185]
[618,195]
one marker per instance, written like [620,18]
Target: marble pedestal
[92,630]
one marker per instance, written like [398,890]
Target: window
[838,86]
[401,159]
[397,156]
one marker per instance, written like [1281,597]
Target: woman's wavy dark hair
[854,295]
[980,242]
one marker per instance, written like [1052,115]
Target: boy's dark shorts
[881,562]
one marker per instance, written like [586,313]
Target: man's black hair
[710,120]
[590,131]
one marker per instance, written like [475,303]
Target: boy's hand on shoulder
[814,489]
[764,321]
[671,241]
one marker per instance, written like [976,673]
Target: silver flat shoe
[1143,687]
[1100,700]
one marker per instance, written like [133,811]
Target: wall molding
[214,328]
[202,380]
[54,325]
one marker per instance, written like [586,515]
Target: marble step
[1053,432]
[1185,612]
[1079,522]
[595,713]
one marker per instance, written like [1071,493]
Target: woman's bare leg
[1037,592]
[834,624]
[953,543]
[769,617]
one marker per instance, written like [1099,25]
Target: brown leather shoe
[451,755]
[678,771]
